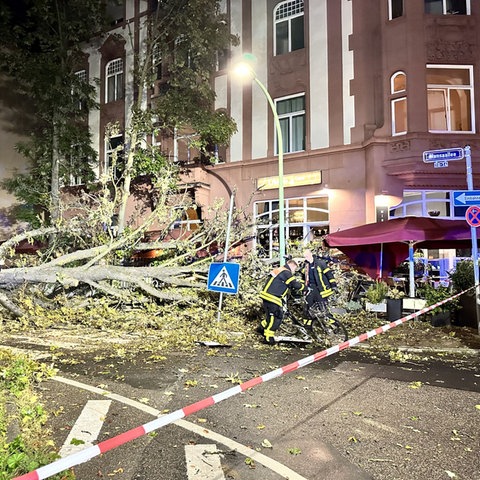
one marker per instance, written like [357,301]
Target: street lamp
[244,68]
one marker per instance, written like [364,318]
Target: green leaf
[294,451]
[415,385]
[76,441]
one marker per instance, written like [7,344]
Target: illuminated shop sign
[291,180]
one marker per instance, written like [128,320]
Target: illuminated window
[307,219]
[425,203]
[449,96]
[398,102]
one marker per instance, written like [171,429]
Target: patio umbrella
[379,247]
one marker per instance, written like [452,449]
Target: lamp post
[245,68]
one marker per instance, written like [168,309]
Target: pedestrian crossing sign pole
[223,277]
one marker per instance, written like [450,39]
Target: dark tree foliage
[188,37]
[40,53]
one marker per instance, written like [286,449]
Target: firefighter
[320,282]
[278,285]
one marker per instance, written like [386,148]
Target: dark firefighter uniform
[320,282]
[273,293]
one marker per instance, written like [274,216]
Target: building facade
[361,89]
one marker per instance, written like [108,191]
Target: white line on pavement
[203,462]
[86,428]
[260,458]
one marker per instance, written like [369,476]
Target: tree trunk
[55,180]
[127,179]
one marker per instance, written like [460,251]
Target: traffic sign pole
[225,254]
[439,158]
[468,164]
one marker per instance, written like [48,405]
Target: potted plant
[394,303]
[441,315]
[463,278]
[375,297]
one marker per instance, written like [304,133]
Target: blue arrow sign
[223,277]
[466,198]
[431,156]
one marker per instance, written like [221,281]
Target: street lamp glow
[244,69]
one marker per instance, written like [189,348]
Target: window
[289,29]
[81,77]
[306,219]
[182,52]
[425,203]
[291,113]
[395,9]
[76,169]
[450,98]
[76,162]
[398,88]
[114,12]
[114,86]
[223,57]
[114,157]
[447,7]
[157,66]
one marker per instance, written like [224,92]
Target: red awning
[379,247]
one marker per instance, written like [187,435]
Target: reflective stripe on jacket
[278,285]
[324,279]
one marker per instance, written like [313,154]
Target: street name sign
[223,277]
[431,156]
[466,198]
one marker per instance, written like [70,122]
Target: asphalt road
[353,415]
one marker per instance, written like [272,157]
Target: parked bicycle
[326,328]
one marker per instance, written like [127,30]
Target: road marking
[260,458]
[86,428]
[203,462]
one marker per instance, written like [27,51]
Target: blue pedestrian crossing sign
[223,277]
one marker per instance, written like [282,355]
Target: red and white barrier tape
[84,455]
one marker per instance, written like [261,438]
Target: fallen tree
[106,269]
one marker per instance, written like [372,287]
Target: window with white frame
[114,80]
[307,218]
[291,113]
[289,26]
[114,157]
[448,7]
[157,66]
[424,203]
[395,9]
[76,159]
[182,52]
[398,102]
[81,77]
[450,98]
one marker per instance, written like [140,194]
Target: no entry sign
[472,216]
